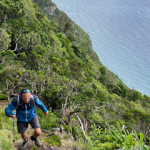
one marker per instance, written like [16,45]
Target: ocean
[120,35]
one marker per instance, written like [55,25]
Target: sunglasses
[25,91]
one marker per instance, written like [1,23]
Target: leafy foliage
[53,140]
[47,122]
[54,58]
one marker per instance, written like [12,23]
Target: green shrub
[148,141]
[4,91]
[106,146]
[95,148]
[53,140]
[67,128]
[104,138]
[47,122]
[3,97]
[123,139]
[75,131]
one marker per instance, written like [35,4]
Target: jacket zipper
[26,113]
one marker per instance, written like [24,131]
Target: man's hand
[46,113]
[12,116]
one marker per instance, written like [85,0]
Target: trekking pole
[14,129]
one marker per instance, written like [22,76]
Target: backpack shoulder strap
[18,101]
[33,99]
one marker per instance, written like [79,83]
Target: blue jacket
[25,112]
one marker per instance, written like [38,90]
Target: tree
[134,95]
[67,27]
[71,37]
[13,9]
[4,40]
[27,41]
[8,57]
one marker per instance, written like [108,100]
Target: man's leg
[22,127]
[24,136]
[37,132]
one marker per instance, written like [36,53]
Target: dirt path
[65,144]
[31,146]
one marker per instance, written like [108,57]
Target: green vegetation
[6,132]
[47,122]
[3,97]
[53,140]
[59,65]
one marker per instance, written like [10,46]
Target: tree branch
[16,47]
[81,124]
[76,111]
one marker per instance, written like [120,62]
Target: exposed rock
[44,131]
[55,129]
[50,9]
[76,148]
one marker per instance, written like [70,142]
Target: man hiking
[26,114]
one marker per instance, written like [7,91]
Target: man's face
[26,97]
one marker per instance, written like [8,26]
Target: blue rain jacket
[25,112]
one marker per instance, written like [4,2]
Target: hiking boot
[24,144]
[37,141]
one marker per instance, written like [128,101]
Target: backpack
[32,99]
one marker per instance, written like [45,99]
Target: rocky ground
[66,144]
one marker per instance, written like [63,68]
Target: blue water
[120,35]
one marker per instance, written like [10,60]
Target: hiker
[26,114]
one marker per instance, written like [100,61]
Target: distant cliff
[54,14]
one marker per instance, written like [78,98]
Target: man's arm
[41,106]
[9,110]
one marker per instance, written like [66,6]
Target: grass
[6,140]
[6,131]
[84,145]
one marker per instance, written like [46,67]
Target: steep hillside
[57,63]
[66,25]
